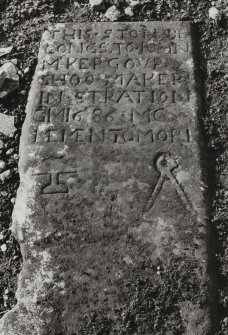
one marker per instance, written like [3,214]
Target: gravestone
[111,212]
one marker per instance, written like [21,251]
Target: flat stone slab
[111,212]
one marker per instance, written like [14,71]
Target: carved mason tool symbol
[166,164]
[51,183]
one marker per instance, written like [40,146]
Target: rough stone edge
[10,323]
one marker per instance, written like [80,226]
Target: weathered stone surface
[111,211]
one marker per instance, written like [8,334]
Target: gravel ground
[21,25]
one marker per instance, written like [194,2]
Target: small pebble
[112,14]
[13,200]
[2,166]
[5,50]
[16,156]
[10,152]
[213,13]
[26,70]
[20,72]
[225,320]
[3,247]
[134,3]
[95,2]
[128,11]
[5,175]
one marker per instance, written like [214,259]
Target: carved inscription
[157,96]
[114,86]
[117,41]
[110,135]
